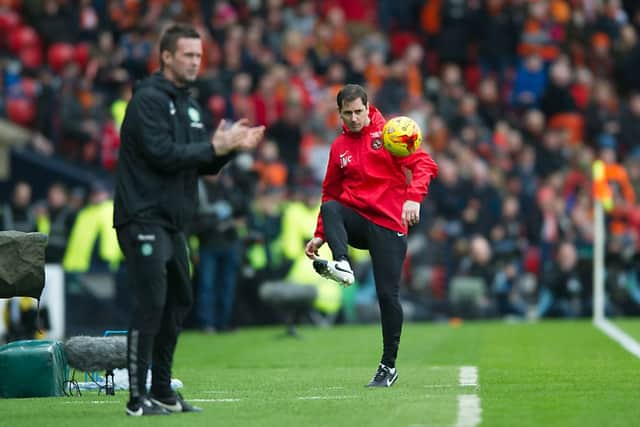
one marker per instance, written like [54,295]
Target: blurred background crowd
[516,99]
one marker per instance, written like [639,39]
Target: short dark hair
[351,92]
[170,37]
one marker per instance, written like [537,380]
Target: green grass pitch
[545,374]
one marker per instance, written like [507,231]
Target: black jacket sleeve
[214,166]
[155,141]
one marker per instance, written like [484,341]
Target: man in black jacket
[164,148]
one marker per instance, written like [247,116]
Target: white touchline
[468,376]
[599,272]
[214,400]
[325,397]
[616,334]
[469,408]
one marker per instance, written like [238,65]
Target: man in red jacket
[368,202]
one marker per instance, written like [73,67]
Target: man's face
[183,65]
[22,195]
[57,197]
[354,115]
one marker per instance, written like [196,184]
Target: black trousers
[158,274]
[388,248]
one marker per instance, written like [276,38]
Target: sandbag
[32,368]
[21,264]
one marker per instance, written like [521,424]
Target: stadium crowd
[516,100]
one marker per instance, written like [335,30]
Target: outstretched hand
[239,136]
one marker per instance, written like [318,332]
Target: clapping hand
[239,136]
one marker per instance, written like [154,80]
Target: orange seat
[571,122]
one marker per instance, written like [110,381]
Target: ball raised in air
[401,136]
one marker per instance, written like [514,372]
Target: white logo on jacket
[345,159]
[172,108]
[194,115]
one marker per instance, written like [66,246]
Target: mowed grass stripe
[556,374]
[547,374]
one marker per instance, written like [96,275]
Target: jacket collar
[159,81]
[376,121]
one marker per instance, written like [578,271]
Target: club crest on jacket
[376,141]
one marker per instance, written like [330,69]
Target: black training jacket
[164,146]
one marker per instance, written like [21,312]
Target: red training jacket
[365,177]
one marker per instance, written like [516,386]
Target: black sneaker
[175,403]
[384,377]
[145,407]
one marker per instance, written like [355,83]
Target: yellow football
[401,136]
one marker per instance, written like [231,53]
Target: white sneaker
[339,271]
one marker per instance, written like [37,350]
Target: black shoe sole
[321,267]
